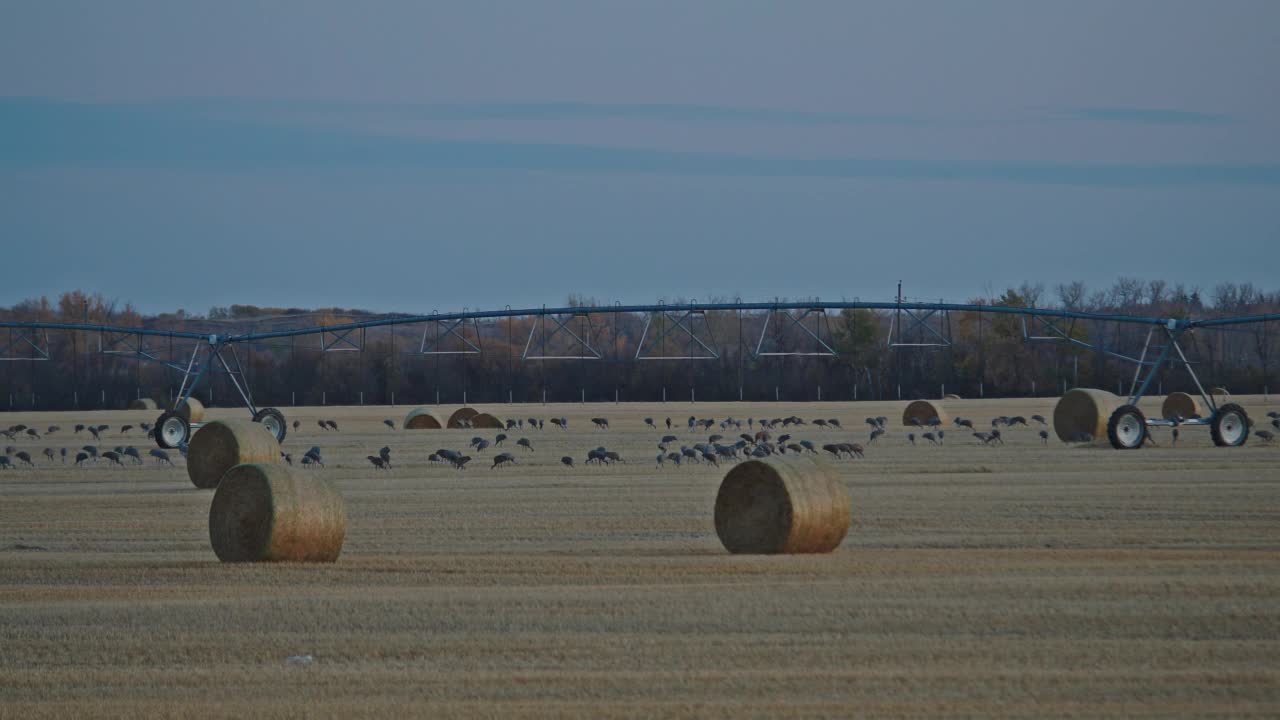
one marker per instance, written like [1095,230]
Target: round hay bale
[486,421]
[421,419]
[222,444]
[192,410]
[950,396]
[264,513]
[1179,404]
[1219,391]
[1084,410]
[144,404]
[782,506]
[459,415]
[922,410]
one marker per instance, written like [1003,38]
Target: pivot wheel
[273,420]
[172,430]
[1230,426]
[1127,428]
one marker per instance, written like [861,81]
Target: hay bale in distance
[951,396]
[1179,404]
[192,410]
[221,445]
[922,410]
[1219,392]
[777,505]
[265,513]
[144,404]
[1084,410]
[421,419]
[459,415]
[486,421]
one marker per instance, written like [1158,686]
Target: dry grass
[1054,581]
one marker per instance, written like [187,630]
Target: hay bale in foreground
[1084,410]
[192,410]
[460,415]
[421,419]
[776,505]
[144,404]
[922,410]
[221,445]
[1179,404]
[265,513]
[486,421]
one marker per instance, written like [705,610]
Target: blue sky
[411,156]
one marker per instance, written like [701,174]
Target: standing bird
[385,454]
[81,457]
[132,452]
[161,456]
[389,423]
[930,437]
[378,463]
[96,433]
[1044,436]
[113,457]
[24,457]
[502,459]
[524,443]
[48,452]
[322,425]
[497,442]
[911,437]
[566,461]
[125,428]
[668,423]
[1174,433]
[333,425]
[649,423]
[63,451]
[78,429]
[1264,435]
[297,424]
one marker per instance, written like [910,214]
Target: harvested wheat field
[1023,580]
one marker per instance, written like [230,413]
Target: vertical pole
[322,398]
[362,397]
[293,397]
[819,393]
[777,394]
[664,394]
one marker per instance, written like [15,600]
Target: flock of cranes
[736,440]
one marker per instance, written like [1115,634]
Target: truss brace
[433,344]
[681,323]
[35,343]
[786,321]
[544,335]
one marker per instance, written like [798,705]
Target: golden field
[1027,580]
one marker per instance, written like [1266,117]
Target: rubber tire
[1113,427]
[167,416]
[1215,429]
[279,419]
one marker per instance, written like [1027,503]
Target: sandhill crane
[820,423]
[92,450]
[124,429]
[132,452]
[661,458]
[912,438]
[389,423]
[533,422]
[689,453]
[33,433]
[497,441]
[287,457]
[1044,437]
[24,457]
[501,459]
[482,445]
[378,463]
[930,437]
[333,425]
[78,429]
[669,439]
[322,425]
[601,423]
[524,443]
[48,453]
[614,457]
[996,437]
[96,433]
[675,458]
[113,457]
[63,453]
[1040,419]
[668,423]
[1264,435]
[161,456]
[566,461]
[297,424]
[1276,423]
[556,422]
[81,457]
[649,423]
[711,458]
[461,463]
[385,453]
[1174,434]
[1016,420]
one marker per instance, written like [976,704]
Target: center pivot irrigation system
[912,325]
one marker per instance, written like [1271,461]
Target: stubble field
[1027,580]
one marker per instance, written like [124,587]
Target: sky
[409,156]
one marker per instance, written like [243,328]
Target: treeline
[725,355]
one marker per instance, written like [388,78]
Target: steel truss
[681,322]
[35,341]
[581,339]
[820,320]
